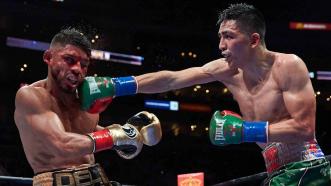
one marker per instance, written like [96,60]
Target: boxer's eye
[227,37]
[69,60]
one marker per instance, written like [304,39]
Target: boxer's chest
[263,102]
[76,121]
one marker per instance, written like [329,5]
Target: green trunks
[315,172]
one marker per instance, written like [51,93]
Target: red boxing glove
[100,105]
[126,140]
[102,139]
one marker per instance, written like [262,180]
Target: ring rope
[238,181]
[12,179]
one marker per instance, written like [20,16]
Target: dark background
[159,31]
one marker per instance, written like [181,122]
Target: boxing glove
[95,93]
[125,140]
[227,127]
[149,127]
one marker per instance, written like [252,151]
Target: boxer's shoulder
[288,70]
[33,90]
[283,60]
[32,95]
[40,84]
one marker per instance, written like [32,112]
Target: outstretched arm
[300,102]
[163,81]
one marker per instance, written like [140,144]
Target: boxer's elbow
[307,130]
[310,134]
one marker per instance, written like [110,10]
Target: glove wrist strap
[255,131]
[102,140]
[125,85]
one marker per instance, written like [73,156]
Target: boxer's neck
[65,98]
[259,65]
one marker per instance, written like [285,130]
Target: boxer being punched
[59,138]
[274,93]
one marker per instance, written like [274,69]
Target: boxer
[58,136]
[274,94]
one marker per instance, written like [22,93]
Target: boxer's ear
[47,56]
[255,40]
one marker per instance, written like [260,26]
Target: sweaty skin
[268,86]
[48,116]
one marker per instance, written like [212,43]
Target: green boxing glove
[227,127]
[95,93]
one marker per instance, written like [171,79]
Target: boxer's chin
[69,89]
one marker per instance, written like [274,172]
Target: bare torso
[38,152]
[263,100]
[265,103]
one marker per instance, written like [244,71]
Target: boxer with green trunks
[273,90]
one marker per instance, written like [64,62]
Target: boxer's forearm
[154,82]
[291,131]
[98,127]
[72,145]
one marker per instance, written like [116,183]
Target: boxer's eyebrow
[72,59]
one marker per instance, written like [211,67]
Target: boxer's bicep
[299,97]
[165,80]
[219,70]
[189,77]
[29,103]
[34,117]
[301,105]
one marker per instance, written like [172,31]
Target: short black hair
[249,18]
[74,37]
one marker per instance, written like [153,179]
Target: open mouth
[72,79]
